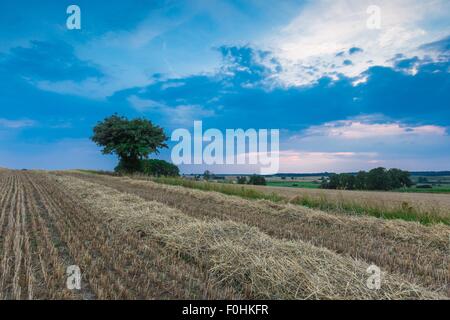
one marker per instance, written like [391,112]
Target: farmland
[423,183]
[293,184]
[424,208]
[137,239]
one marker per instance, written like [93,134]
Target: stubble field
[137,239]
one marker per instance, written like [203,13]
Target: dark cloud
[52,61]
[406,63]
[440,45]
[242,94]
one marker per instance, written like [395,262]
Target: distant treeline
[430,173]
[375,179]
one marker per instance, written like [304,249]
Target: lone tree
[131,140]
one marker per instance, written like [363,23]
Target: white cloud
[364,142]
[144,104]
[96,88]
[308,45]
[315,161]
[358,129]
[186,114]
[182,114]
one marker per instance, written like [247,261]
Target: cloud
[355,129]
[342,161]
[242,93]
[53,66]
[143,104]
[186,114]
[16,124]
[308,42]
[367,141]
[442,45]
[49,61]
[173,115]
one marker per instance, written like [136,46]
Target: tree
[425,180]
[154,167]
[399,178]
[347,181]
[242,180]
[375,179]
[257,180]
[131,140]
[208,175]
[333,182]
[378,179]
[361,180]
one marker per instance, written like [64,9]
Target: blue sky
[345,97]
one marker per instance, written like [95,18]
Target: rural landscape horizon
[225,158]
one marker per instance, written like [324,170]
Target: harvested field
[44,230]
[437,205]
[132,246]
[423,208]
[417,252]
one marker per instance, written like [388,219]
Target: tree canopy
[257,180]
[155,167]
[131,140]
[375,179]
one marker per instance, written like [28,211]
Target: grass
[294,184]
[228,189]
[435,189]
[404,212]
[314,185]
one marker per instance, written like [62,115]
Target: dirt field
[140,240]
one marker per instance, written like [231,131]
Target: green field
[440,184]
[315,185]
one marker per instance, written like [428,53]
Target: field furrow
[48,230]
[141,240]
[8,238]
[418,252]
[6,191]
[241,256]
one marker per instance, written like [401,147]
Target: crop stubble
[44,230]
[419,253]
[189,245]
[238,254]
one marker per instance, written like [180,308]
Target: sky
[348,91]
